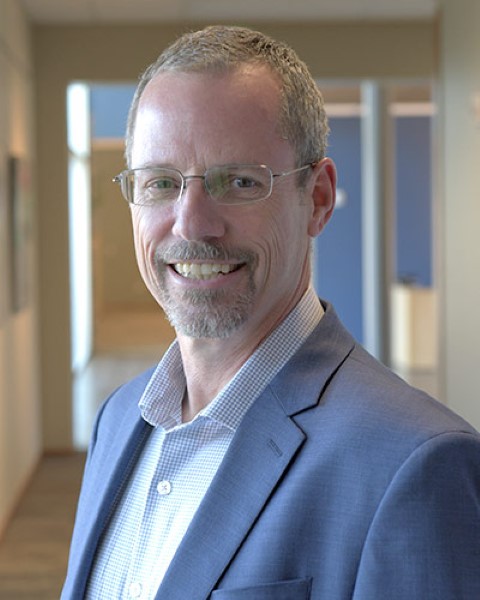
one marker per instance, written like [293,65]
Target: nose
[197,216]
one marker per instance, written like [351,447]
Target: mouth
[204,271]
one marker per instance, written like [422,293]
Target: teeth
[202,271]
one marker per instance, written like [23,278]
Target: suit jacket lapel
[258,456]
[264,446]
[302,382]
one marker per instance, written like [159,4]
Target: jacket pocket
[294,589]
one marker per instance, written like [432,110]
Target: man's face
[219,269]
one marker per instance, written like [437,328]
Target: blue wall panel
[413,202]
[338,250]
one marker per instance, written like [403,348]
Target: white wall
[20,439]
[460,178]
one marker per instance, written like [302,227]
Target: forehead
[252,83]
[219,109]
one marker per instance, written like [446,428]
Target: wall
[120,53]
[20,439]
[413,158]
[339,248]
[459,172]
[117,283]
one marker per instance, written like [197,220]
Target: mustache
[190,251]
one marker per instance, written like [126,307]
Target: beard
[205,313]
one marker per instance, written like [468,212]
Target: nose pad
[197,215]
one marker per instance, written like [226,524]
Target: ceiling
[234,11]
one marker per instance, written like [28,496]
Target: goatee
[204,313]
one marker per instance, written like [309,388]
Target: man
[268,456]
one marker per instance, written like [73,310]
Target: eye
[238,184]
[242,182]
[162,183]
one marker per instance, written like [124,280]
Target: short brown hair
[220,49]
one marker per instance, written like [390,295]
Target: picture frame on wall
[4,277]
[19,222]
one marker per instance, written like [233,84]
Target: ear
[323,185]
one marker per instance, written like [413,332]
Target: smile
[203,270]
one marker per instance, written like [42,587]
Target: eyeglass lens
[226,184]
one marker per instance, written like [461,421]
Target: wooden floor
[34,548]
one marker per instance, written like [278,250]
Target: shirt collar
[161,402]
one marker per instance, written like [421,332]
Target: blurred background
[399,260]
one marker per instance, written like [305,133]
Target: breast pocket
[295,589]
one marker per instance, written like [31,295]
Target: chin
[209,326]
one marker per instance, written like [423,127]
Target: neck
[209,364]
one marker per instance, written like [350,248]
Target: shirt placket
[154,550]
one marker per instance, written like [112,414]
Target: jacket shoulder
[121,406]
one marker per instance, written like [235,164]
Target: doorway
[405,214]
[120,330]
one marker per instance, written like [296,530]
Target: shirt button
[164,488]
[135,590]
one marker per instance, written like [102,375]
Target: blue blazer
[342,482]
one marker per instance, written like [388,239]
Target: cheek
[285,244]
[140,234]
[270,240]
[146,236]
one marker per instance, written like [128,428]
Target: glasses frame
[122,179]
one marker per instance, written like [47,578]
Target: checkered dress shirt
[180,460]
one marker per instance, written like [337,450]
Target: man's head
[219,49]
[222,221]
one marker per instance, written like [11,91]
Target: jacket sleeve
[424,541]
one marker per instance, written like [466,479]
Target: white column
[377,219]
[78,117]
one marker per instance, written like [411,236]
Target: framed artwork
[4,277]
[19,223]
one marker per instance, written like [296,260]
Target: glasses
[226,184]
